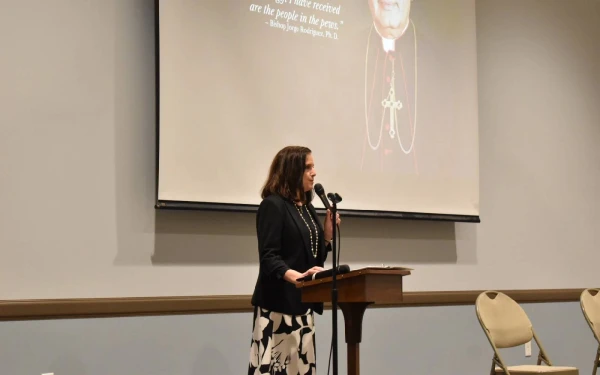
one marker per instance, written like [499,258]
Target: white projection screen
[384,93]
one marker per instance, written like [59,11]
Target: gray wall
[412,341]
[77,181]
[78,174]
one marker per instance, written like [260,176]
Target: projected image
[339,76]
[393,106]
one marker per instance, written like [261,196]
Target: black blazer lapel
[291,207]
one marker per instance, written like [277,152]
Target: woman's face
[308,180]
[391,17]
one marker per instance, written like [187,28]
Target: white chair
[506,325]
[590,305]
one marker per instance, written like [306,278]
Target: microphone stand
[334,291]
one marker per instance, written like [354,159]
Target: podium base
[353,317]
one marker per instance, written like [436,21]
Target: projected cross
[390,102]
[393,105]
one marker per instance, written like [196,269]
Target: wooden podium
[356,291]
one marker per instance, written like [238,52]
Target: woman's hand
[293,275]
[312,271]
[328,227]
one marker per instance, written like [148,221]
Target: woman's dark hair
[286,174]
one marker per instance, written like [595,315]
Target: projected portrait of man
[390,17]
[391,78]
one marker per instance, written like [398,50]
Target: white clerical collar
[389,45]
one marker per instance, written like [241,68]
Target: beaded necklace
[313,244]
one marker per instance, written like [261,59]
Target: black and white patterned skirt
[282,344]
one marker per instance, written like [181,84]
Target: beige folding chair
[506,325]
[590,305]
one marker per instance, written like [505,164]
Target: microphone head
[319,189]
[334,197]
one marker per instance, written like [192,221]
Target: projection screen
[384,93]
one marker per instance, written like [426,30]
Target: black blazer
[283,243]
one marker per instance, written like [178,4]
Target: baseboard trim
[144,306]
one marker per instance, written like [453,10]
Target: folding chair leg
[596,361]
[497,362]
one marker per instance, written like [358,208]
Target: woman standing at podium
[292,243]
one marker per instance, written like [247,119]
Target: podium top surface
[397,271]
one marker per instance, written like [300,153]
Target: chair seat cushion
[543,369]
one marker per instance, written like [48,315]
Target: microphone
[344,268]
[321,193]
[334,197]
